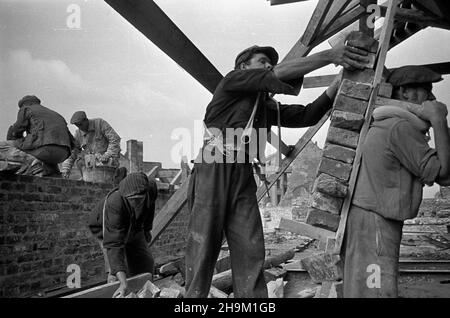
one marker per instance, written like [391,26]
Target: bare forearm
[442,144]
[122,277]
[301,66]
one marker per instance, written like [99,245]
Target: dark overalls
[222,196]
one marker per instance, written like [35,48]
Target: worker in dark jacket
[48,141]
[222,192]
[122,222]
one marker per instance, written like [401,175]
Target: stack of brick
[347,119]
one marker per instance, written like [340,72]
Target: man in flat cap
[93,137]
[48,141]
[396,163]
[122,223]
[222,192]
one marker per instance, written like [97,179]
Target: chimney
[135,155]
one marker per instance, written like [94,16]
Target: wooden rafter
[316,21]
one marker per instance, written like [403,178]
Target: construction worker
[396,163]
[222,196]
[122,222]
[95,139]
[48,141]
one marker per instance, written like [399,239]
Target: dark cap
[245,55]
[137,183]
[134,183]
[29,99]
[413,74]
[78,117]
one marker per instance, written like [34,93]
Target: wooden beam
[318,81]
[176,180]
[344,21]
[336,10]
[326,80]
[304,229]
[167,173]
[417,17]
[315,22]
[152,173]
[107,290]
[169,211]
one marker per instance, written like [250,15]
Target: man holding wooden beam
[396,163]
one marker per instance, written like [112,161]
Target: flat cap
[29,99]
[78,117]
[413,74]
[245,55]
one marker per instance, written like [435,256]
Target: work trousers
[49,156]
[372,248]
[222,199]
[139,260]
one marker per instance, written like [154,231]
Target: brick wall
[43,229]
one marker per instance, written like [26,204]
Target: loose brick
[330,186]
[339,153]
[356,90]
[343,137]
[326,203]
[363,41]
[346,120]
[336,169]
[365,76]
[385,90]
[323,219]
[350,104]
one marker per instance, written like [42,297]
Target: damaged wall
[43,229]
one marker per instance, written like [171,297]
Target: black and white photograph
[225,156]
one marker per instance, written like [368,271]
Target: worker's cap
[247,54]
[137,183]
[413,74]
[78,117]
[29,99]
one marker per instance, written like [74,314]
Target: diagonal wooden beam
[344,21]
[338,9]
[316,21]
[151,21]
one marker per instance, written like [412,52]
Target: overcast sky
[110,70]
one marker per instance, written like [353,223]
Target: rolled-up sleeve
[409,146]
[255,80]
[117,225]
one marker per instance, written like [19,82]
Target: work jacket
[100,138]
[122,221]
[396,163]
[235,96]
[43,127]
